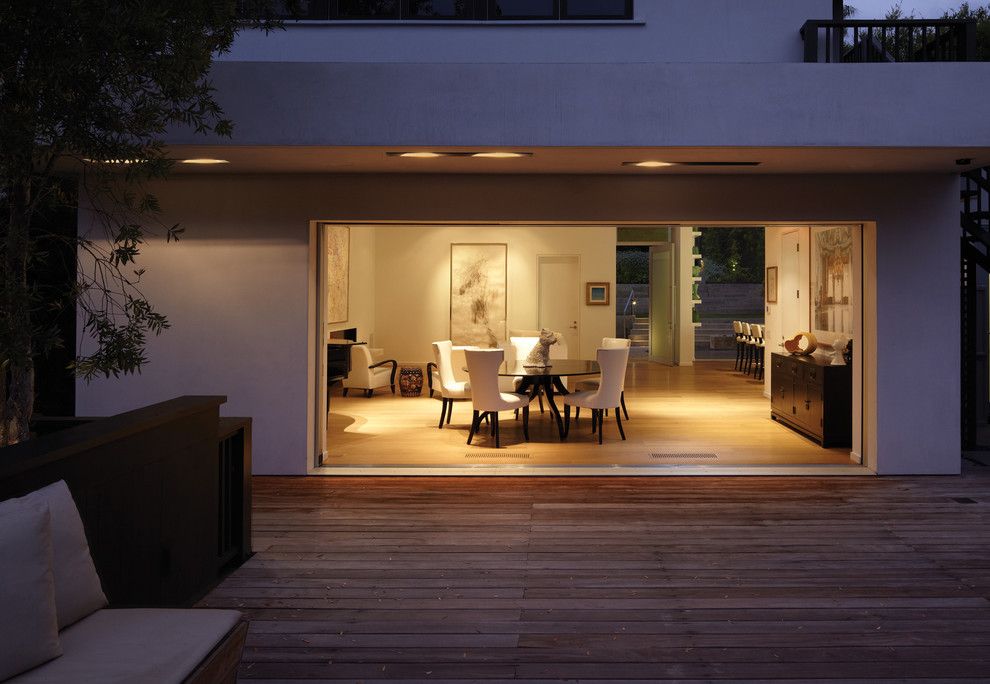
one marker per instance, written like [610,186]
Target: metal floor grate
[495,454]
[679,456]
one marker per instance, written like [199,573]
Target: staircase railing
[901,40]
[625,312]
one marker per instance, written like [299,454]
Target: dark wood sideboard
[813,397]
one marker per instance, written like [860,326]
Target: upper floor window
[466,10]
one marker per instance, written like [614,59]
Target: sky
[923,9]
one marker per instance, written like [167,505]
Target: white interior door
[560,299]
[662,309]
[793,284]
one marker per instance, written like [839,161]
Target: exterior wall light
[649,164]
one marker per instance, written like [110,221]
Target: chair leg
[577,413]
[540,398]
[475,422]
[567,419]
[594,420]
[618,421]
[369,393]
[498,444]
[492,424]
[622,401]
[601,429]
[517,415]
[525,423]
[345,391]
[443,411]
[450,410]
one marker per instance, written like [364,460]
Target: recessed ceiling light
[205,161]
[502,155]
[648,164]
[418,155]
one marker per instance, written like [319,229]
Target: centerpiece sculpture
[539,357]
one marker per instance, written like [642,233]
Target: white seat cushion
[579,399]
[135,645]
[77,586]
[28,620]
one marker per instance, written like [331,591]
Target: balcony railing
[902,40]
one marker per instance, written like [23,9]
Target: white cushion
[135,645]
[77,586]
[28,621]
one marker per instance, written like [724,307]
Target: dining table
[547,380]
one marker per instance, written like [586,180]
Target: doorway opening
[402,285]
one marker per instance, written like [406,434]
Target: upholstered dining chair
[607,396]
[486,397]
[368,375]
[592,384]
[450,388]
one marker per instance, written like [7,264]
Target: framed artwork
[478,283]
[771,284]
[596,294]
[337,245]
[832,284]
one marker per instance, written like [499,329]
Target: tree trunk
[17,363]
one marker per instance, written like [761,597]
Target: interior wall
[236,287]
[790,314]
[412,280]
[361,285]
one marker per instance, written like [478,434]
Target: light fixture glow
[205,161]
[500,155]
[649,164]
[422,155]
[112,161]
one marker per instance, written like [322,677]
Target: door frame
[577,293]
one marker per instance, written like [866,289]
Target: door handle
[574,325]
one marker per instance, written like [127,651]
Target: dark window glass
[305,9]
[439,9]
[597,9]
[368,9]
[522,9]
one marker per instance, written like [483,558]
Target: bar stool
[740,345]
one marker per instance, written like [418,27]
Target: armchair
[368,375]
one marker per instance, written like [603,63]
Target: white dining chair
[608,396]
[486,397]
[450,388]
[592,384]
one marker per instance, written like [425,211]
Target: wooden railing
[902,40]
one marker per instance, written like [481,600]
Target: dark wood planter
[164,493]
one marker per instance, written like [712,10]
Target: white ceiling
[580,160]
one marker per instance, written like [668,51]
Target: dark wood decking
[427,579]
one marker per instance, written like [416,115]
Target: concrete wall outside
[668,31]
[237,287]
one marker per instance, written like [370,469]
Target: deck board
[617,579]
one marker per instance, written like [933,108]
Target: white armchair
[367,374]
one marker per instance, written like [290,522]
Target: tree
[88,89]
[981,15]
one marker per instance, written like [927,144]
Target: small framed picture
[771,284]
[596,294]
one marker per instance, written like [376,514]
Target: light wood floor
[707,414]
[617,579]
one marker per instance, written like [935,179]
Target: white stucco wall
[663,31]
[237,287]
[602,105]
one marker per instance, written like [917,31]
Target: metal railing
[901,40]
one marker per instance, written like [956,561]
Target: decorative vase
[802,344]
[411,381]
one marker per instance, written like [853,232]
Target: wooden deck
[618,579]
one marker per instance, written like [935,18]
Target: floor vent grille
[496,454]
[964,500]
[676,456]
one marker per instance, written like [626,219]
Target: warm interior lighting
[112,161]
[205,161]
[500,155]
[421,155]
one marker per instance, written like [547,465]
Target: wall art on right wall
[833,284]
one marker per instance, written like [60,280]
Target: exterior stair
[639,336]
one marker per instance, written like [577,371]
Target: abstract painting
[478,294]
[832,285]
[337,240]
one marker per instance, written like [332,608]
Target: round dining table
[548,380]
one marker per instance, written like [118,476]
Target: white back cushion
[77,586]
[28,621]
